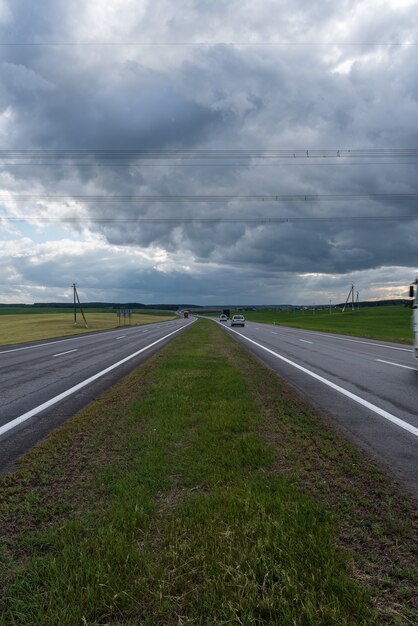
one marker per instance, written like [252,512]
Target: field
[202,490]
[41,310]
[390,323]
[19,328]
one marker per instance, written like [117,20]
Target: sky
[205,76]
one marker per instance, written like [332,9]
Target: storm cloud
[163,76]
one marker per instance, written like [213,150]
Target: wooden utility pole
[75,304]
[350,293]
[77,299]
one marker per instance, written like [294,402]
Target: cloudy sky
[159,76]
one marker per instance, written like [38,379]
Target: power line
[283,44]
[211,198]
[211,220]
[339,163]
[137,154]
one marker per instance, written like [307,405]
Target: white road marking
[25,416]
[86,336]
[372,407]
[121,337]
[305,341]
[407,367]
[368,343]
[49,343]
[67,352]
[273,333]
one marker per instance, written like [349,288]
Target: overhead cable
[208,198]
[208,220]
[248,154]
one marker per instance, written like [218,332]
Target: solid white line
[304,341]
[85,336]
[331,336]
[372,407]
[367,343]
[398,365]
[84,383]
[49,343]
[67,352]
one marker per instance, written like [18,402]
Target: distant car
[223,318]
[238,320]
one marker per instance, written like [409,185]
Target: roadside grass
[389,323]
[202,490]
[19,328]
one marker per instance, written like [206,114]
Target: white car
[238,320]
[223,318]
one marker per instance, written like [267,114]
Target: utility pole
[75,304]
[350,293]
[77,299]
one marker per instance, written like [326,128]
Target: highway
[368,388]
[44,383]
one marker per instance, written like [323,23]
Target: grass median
[200,490]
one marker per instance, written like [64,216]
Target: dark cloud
[213,97]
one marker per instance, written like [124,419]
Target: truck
[185,313]
[413,293]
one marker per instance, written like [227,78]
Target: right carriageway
[368,388]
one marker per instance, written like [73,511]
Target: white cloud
[5,13]
[207,97]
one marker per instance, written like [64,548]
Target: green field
[19,328]
[41,310]
[201,490]
[390,323]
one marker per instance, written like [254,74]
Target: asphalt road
[43,384]
[368,388]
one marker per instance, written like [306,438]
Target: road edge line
[45,405]
[372,407]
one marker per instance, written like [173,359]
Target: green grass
[199,491]
[390,323]
[34,310]
[18,328]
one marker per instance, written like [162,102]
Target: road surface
[43,384]
[369,388]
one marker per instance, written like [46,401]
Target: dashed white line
[50,343]
[66,352]
[121,337]
[305,341]
[372,407]
[85,336]
[367,343]
[331,336]
[407,367]
[22,418]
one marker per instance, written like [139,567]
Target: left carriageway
[44,383]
